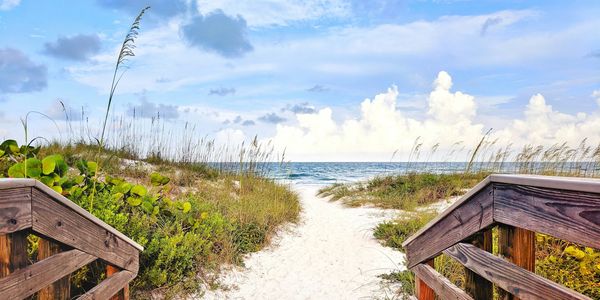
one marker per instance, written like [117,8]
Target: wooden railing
[69,239]
[520,205]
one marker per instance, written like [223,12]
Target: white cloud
[382,128]
[596,94]
[9,4]
[277,12]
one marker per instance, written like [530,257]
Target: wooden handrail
[564,207]
[29,207]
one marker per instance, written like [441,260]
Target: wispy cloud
[147,109]
[301,108]
[9,4]
[317,88]
[222,91]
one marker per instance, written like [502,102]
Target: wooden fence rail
[519,205]
[69,238]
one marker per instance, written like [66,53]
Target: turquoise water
[323,173]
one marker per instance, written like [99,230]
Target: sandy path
[330,254]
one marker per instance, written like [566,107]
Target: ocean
[324,173]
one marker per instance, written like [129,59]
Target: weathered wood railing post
[60,289]
[476,286]
[69,239]
[521,206]
[422,290]
[517,245]
[122,294]
[13,252]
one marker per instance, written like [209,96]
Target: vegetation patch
[188,231]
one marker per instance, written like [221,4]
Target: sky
[326,80]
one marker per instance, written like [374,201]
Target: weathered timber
[15,209]
[109,286]
[122,294]
[465,220]
[516,245]
[25,282]
[475,285]
[424,291]
[60,289]
[440,284]
[519,282]
[55,220]
[13,252]
[566,214]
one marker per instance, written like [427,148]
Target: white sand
[330,254]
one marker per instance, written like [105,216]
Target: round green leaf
[16,171]
[147,207]
[57,188]
[33,167]
[48,165]
[134,201]
[139,190]
[92,167]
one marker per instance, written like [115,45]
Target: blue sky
[298,73]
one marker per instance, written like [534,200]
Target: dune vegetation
[417,194]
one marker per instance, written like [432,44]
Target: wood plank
[60,289]
[15,209]
[422,289]
[569,215]
[519,282]
[475,285]
[440,284]
[465,220]
[516,245]
[13,252]
[24,282]
[110,271]
[110,286]
[60,223]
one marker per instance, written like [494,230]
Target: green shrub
[394,233]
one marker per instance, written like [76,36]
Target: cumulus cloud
[18,74]
[8,4]
[382,128]
[147,109]
[272,118]
[218,32]
[318,89]
[79,47]
[221,91]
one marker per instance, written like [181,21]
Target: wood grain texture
[110,271]
[569,215]
[422,289]
[15,209]
[519,282]
[13,252]
[465,220]
[24,282]
[109,287]
[477,286]
[516,245]
[439,284]
[60,223]
[60,289]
